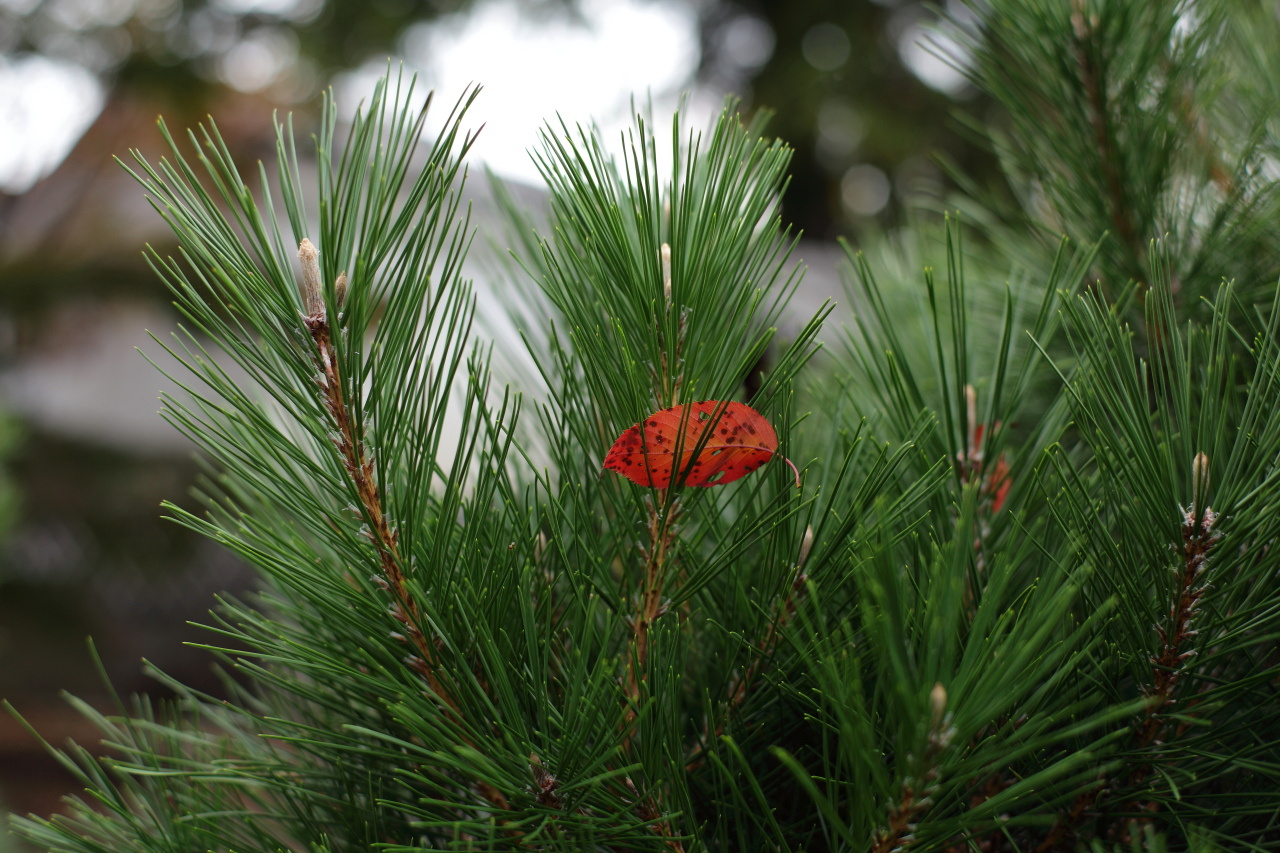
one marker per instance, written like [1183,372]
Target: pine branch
[1194,128]
[1167,667]
[1198,539]
[663,514]
[359,466]
[663,508]
[651,602]
[919,789]
[1176,639]
[741,685]
[765,646]
[1094,85]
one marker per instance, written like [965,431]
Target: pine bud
[1199,480]
[665,255]
[312,300]
[972,431]
[806,545]
[938,703]
[340,289]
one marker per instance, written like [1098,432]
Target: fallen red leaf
[740,441]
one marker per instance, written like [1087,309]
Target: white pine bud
[938,702]
[806,545]
[340,289]
[665,255]
[312,300]
[1199,480]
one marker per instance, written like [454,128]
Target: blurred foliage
[88,554]
[846,98]
[10,439]
[834,72]
[175,50]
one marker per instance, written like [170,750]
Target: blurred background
[858,88]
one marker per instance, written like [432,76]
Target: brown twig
[917,790]
[765,646]
[1212,154]
[1167,665]
[985,789]
[651,604]
[1064,828]
[359,466]
[1100,120]
[660,524]
[649,809]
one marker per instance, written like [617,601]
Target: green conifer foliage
[1025,597]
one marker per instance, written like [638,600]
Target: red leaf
[740,440]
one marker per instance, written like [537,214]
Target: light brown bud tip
[340,289]
[309,257]
[938,701]
[665,255]
[1199,478]
[806,544]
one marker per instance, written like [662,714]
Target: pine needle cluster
[1025,597]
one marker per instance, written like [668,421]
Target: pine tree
[1024,597]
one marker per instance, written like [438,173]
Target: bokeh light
[45,104]
[865,189]
[826,46]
